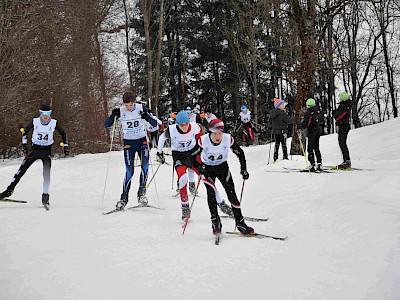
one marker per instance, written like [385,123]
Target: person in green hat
[342,116]
[313,121]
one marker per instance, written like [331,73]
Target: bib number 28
[132,124]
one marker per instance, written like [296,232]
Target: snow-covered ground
[343,231]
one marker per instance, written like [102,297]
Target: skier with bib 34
[42,141]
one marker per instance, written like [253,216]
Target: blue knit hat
[182,117]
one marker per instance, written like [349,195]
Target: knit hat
[343,96]
[310,102]
[278,103]
[244,107]
[182,117]
[216,125]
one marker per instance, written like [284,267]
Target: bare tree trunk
[158,62]
[128,52]
[253,58]
[383,23]
[146,10]
[305,22]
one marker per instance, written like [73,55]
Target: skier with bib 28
[132,116]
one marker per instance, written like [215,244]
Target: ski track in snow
[343,230]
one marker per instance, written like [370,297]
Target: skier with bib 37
[183,135]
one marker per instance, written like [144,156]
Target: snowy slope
[343,229]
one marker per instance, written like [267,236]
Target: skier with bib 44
[215,149]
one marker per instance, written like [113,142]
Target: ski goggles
[45,112]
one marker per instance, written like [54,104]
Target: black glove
[24,147]
[66,150]
[160,158]
[245,174]
[202,169]
[115,112]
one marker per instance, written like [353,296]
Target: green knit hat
[310,102]
[343,96]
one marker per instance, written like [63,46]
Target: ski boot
[45,201]
[243,227]
[313,168]
[142,199]
[226,209]
[319,167]
[7,193]
[192,188]
[121,204]
[216,225]
[345,165]
[185,211]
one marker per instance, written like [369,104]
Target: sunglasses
[45,113]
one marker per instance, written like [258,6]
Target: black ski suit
[279,122]
[342,117]
[223,173]
[313,121]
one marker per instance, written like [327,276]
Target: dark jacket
[279,121]
[343,113]
[313,120]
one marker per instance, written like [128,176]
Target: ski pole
[191,206]
[240,200]
[152,169]
[108,164]
[270,145]
[302,149]
[154,174]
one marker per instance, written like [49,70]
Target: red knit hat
[216,125]
[278,103]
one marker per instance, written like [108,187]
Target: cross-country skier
[42,140]
[313,121]
[153,132]
[245,117]
[215,149]
[279,121]
[208,116]
[342,116]
[132,116]
[193,117]
[183,135]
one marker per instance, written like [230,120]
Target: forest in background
[80,56]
